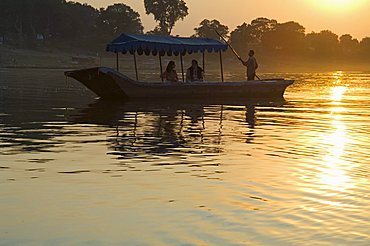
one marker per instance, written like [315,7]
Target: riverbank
[11,57]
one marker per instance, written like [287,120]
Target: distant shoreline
[12,58]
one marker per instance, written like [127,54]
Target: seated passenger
[194,73]
[170,74]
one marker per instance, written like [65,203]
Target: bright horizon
[339,16]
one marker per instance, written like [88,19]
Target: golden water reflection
[334,173]
[337,93]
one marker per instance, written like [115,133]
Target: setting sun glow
[343,5]
[339,2]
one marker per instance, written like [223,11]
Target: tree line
[28,23]
[267,36]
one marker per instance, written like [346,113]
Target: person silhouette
[251,65]
[170,75]
[194,73]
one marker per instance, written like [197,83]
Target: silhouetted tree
[166,13]
[75,21]
[61,22]
[27,18]
[53,19]
[114,20]
[365,48]
[207,29]
[241,38]
[260,26]
[324,43]
[249,36]
[119,18]
[349,46]
[16,16]
[5,23]
[287,37]
[47,17]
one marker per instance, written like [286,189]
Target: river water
[78,171]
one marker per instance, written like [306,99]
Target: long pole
[137,75]
[160,65]
[222,67]
[182,69]
[233,50]
[117,64]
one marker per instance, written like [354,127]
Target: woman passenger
[170,74]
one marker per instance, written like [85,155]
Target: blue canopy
[153,44]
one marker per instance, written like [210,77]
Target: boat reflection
[161,128]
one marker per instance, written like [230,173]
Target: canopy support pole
[117,64]
[204,63]
[160,65]
[137,75]
[222,67]
[182,69]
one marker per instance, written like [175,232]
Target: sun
[335,5]
[339,2]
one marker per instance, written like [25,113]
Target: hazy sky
[339,16]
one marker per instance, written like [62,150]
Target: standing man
[251,65]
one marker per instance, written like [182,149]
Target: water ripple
[278,173]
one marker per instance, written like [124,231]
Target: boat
[109,83]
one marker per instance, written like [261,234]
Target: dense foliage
[207,29]
[57,22]
[166,13]
[290,39]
